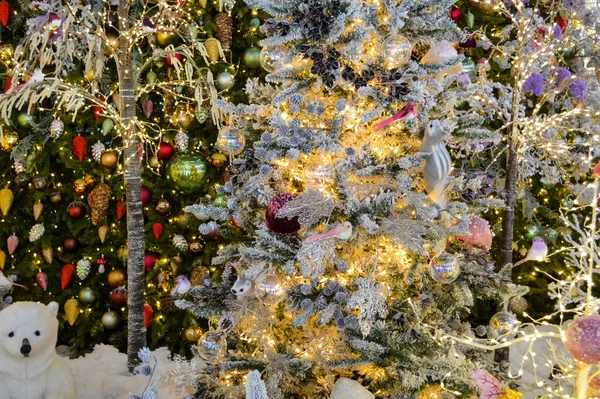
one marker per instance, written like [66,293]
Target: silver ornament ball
[225,80]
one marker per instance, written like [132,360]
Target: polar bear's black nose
[25,348]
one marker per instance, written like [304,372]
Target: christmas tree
[362,250]
[65,139]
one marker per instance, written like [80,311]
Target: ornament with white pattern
[36,232]
[19,167]
[180,243]
[83,268]
[57,127]
[97,150]
[438,165]
[181,141]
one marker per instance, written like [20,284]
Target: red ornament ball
[455,14]
[277,224]
[146,196]
[70,244]
[165,152]
[118,297]
[150,260]
[76,210]
[171,60]
[583,339]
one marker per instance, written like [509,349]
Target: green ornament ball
[225,80]
[531,231]
[219,200]
[550,235]
[110,320]
[251,57]
[468,67]
[188,172]
[255,22]
[87,295]
[25,120]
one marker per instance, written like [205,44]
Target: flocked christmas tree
[361,251]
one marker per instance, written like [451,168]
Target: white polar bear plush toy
[29,365]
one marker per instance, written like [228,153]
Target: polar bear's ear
[53,308]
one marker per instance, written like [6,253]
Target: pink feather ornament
[12,243]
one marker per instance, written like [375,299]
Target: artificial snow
[102,374]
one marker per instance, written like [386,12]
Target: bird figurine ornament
[341,231]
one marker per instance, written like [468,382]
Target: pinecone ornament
[201,114]
[224,29]
[212,49]
[167,303]
[99,202]
[6,200]
[57,127]
[72,310]
[181,141]
[83,268]
[97,150]
[180,243]
[36,232]
[48,254]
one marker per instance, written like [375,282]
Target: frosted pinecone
[97,150]
[57,128]
[181,140]
[83,268]
[180,243]
[19,167]
[36,232]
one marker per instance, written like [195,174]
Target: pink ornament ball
[583,339]
[281,225]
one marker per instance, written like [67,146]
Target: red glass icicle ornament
[42,280]
[66,275]
[4,12]
[157,229]
[97,110]
[148,313]
[121,208]
[80,146]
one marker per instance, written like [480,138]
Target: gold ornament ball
[9,141]
[55,197]
[122,253]
[192,335]
[251,57]
[116,278]
[188,172]
[109,159]
[39,182]
[112,43]
[110,320]
[87,295]
[80,187]
[184,219]
[484,6]
[196,247]
[165,37]
[219,160]
[184,116]
[163,207]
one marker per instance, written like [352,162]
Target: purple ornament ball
[583,339]
[277,224]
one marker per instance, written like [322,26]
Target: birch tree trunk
[132,163]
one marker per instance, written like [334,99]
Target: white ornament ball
[270,288]
[503,325]
[225,80]
[396,51]
[346,388]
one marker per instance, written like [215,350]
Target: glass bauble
[531,231]
[484,6]
[25,120]
[39,182]
[396,51]
[212,345]
[503,325]
[468,67]
[251,57]
[231,141]
[163,206]
[318,173]
[273,58]
[270,288]
[188,172]
[110,320]
[278,224]
[9,141]
[445,268]
[583,339]
[87,295]
[184,116]
[225,80]
[22,179]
